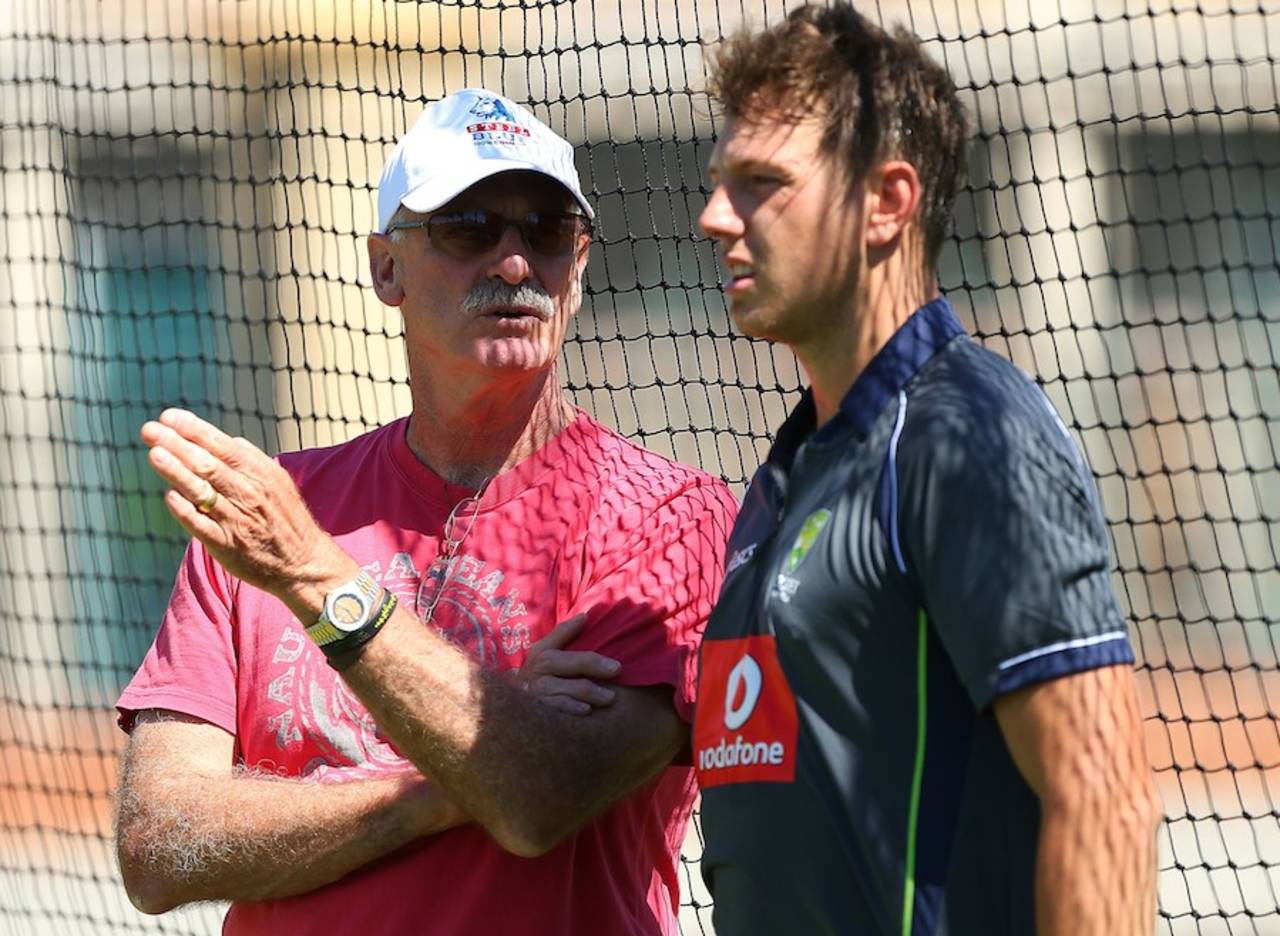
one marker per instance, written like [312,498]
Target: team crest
[492,109]
[495,124]
[813,526]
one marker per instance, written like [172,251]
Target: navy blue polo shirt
[936,544]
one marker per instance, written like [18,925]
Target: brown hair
[880,94]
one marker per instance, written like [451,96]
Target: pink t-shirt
[591,522]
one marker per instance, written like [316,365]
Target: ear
[893,197]
[382,267]
[577,273]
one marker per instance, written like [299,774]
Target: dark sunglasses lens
[466,233]
[552,234]
[469,233]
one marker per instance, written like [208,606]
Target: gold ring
[209,501]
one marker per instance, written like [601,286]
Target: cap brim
[433,194]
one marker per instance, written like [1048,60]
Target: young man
[916,711]
[327,731]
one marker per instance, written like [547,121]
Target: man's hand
[567,680]
[246,510]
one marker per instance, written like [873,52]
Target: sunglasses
[467,234]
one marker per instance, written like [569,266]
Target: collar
[925,332]
[502,487]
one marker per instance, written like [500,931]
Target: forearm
[1077,741]
[184,838]
[528,774]
[1096,867]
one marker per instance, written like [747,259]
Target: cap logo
[496,123]
[492,109]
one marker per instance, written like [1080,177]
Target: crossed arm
[487,751]
[1077,741]
[529,774]
[190,828]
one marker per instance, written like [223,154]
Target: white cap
[462,139]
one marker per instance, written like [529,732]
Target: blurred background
[185,188]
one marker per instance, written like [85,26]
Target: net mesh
[184,187]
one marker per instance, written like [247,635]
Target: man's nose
[719,219]
[511,258]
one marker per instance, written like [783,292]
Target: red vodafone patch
[745,726]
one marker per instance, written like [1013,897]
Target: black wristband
[342,653]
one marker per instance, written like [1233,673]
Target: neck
[883,301]
[469,433]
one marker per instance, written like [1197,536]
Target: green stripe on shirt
[917,775]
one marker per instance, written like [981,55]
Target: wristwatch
[347,609]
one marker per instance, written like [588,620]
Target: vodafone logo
[751,735]
[744,681]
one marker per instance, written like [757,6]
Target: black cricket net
[184,189]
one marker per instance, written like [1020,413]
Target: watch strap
[322,632]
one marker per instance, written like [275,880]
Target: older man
[327,730]
[916,710]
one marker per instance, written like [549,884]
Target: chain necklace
[449,551]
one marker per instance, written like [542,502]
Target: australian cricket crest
[787,583]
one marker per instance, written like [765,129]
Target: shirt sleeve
[191,666]
[647,600]
[1005,535]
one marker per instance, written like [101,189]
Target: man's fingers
[198,461]
[570,663]
[200,432]
[550,670]
[584,690]
[563,679]
[242,505]
[203,527]
[200,493]
[195,458]
[237,452]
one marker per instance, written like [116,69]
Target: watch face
[347,611]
